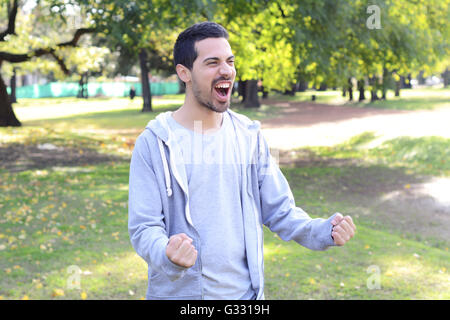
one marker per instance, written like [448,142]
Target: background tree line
[286,45]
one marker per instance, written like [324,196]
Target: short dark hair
[184,50]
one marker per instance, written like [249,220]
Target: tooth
[223,85]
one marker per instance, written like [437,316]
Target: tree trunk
[251,94]
[82,86]
[373,92]
[397,88]
[7,116]
[350,89]
[408,84]
[241,89]
[302,85]
[384,84]
[265,93]
[361,90]
[323,87]
[420,78]
[446,77]
[12,84]
[146,93]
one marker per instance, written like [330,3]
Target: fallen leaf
[57,293]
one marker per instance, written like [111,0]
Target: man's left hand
[343,229]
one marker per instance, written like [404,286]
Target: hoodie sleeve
[146,225]
[279,212]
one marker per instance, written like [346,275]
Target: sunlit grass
[404,269]
[107,113]
[424,155]
[409,99]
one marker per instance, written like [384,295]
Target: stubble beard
[208,104]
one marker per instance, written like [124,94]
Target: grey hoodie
[159,207]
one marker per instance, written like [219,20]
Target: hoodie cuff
[172,270]
[329,240]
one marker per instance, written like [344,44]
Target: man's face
[213,74]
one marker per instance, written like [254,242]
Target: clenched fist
[343,229]
[180,250]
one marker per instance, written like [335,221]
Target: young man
[202,184]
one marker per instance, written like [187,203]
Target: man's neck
[196,117]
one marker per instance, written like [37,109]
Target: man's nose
[226,70]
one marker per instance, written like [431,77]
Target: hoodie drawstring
[165,166]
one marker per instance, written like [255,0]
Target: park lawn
[61,222]
[417,99]
[109,113]
[407,265]
[420,155]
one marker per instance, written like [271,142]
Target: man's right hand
[180,250]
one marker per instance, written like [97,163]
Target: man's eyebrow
[216,58]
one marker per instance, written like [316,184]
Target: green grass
[109,113]
[417,99]
[422,155]
[57,217]
[406,269]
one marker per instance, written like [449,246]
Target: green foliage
[278,42]
[39,27]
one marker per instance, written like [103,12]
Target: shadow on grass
[20,157]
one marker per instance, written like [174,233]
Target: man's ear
[183,73]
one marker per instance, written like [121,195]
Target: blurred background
[352,96]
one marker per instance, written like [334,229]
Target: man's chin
[218,107]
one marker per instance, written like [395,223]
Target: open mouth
[222,89]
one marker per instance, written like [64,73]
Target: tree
[141,31]
[14,49]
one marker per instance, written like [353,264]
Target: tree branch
[17,58]
[281,10]
[76,37]
[11,29]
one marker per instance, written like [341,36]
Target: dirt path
[418,206]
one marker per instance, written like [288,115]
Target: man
[202,184]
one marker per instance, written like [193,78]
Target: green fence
[109,89]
